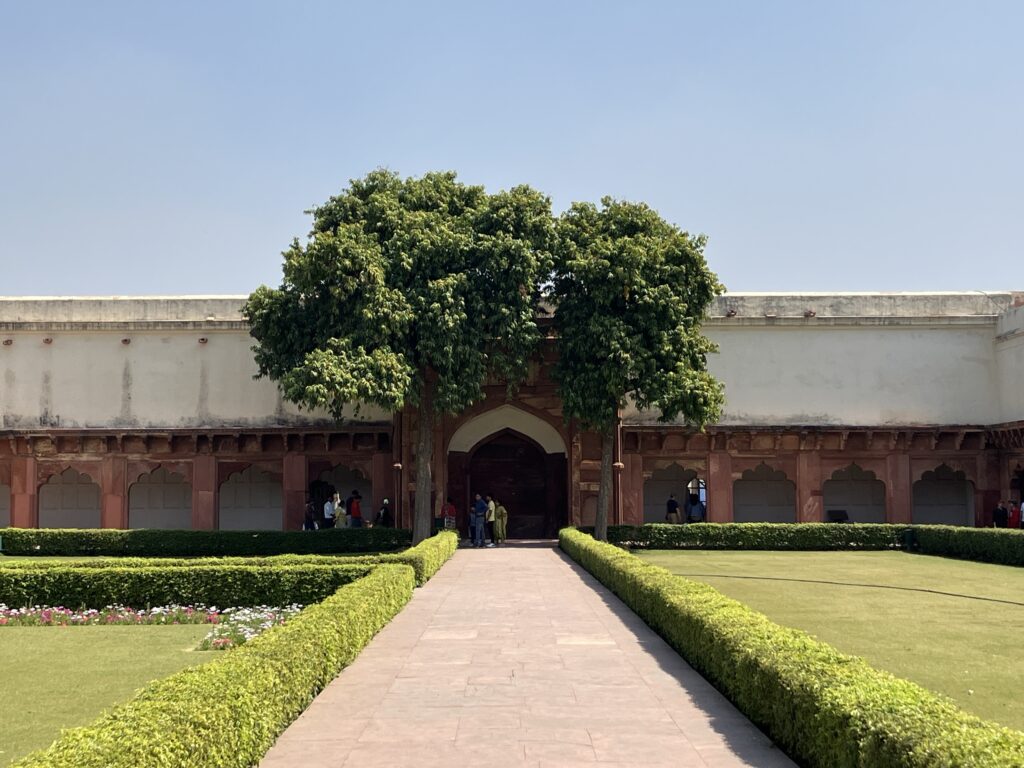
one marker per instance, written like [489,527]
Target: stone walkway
[517,657]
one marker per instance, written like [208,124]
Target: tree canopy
[406,292]
[631,292]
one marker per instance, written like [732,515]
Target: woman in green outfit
[500,522]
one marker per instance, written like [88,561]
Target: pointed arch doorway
[520,460]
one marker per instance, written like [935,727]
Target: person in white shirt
[329,508]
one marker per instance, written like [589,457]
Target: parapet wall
[786,359]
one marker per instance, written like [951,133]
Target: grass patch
[61,677]
[954,645]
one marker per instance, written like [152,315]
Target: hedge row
[781,536]
[228,712]
[219,585]
[425,558]
[162,543]
[822,707]
[987,545]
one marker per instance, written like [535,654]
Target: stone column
[382,478]
[989,490]
[633,489]
[719,487]
[24,493]
[808,488]
[114,490]
[205,491]
[899,501]
[294,487]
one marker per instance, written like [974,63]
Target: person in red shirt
[353,508]
[1014,521]
[445,516]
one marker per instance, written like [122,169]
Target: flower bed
[237,626]
[53,616]
[232,626]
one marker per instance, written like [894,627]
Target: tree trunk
[604,492]
[422,514]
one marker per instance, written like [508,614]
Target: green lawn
[968,649]
[59,677]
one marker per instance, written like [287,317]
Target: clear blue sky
[819,145]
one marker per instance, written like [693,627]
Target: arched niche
[943,496]
[506,417]
[856,492]
[344,480]
[671,479]
[763,495]
[69,500]
[251,500]
[160,499]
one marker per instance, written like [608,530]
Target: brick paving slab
[515,656]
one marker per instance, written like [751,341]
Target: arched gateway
[519,459]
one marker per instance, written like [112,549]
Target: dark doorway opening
[528,481]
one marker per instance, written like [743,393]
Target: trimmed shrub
[822,707]
[425,558]
[781,536]
[160,543]
[228,712]
[1002,546]
[220,585]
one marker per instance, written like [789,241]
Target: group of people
[693,512]
[1007,514]
[488,521]
[349,513]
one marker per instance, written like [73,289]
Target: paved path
[517,657]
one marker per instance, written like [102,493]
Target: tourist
[330,507]
[384,515]
[353,510]
[490,520]
[477,518]
[1014,518]
[309,519]
[672,509]
[1000,515]
[697,510]
[448,514]
[500,522]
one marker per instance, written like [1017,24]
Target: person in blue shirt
[479,516]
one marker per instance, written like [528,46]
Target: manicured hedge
[781,536]
[219,585]
[987,545]
[822,707]
[160,543]
[229,712]
[425,558]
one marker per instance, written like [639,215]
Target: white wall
[1010,361]
[161,379]
[857,376]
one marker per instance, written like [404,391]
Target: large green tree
[406,292]
[631,292]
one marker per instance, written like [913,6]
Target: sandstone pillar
[204,493]
[719,487]
[808,488]
[899,501]
[295,489]
[24,493]
[114,492]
